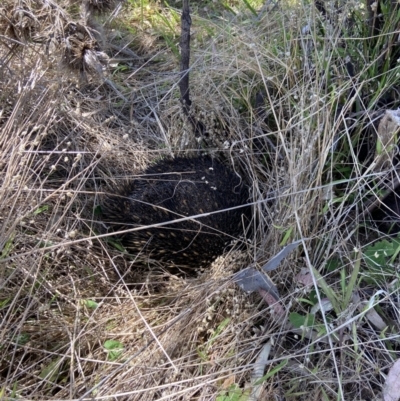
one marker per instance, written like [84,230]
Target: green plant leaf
[41,209]
[378,254]
[233,393]
[298,320]
[7,247]
[330,294]
[218,331]
[50,371]
[4,303]
[332,264]
[349,288]
[90,304]
[273,371]
[249,6]
[114,349]
[22,338]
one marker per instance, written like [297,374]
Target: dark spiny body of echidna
[174,189]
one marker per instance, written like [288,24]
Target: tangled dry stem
[64,142]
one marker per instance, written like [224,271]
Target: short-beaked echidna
[174,189]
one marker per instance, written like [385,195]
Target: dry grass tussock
[85,105]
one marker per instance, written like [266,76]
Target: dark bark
[186,21]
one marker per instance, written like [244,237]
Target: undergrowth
[291,97]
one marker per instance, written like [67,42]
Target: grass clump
[291,96]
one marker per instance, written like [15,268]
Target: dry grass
[68,134]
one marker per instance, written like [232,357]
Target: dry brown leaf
[228,382]
[305,278]
[271,301]
[374,318]
[324,306]
[387,130]
[391,389]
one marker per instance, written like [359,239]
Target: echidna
[174,189]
